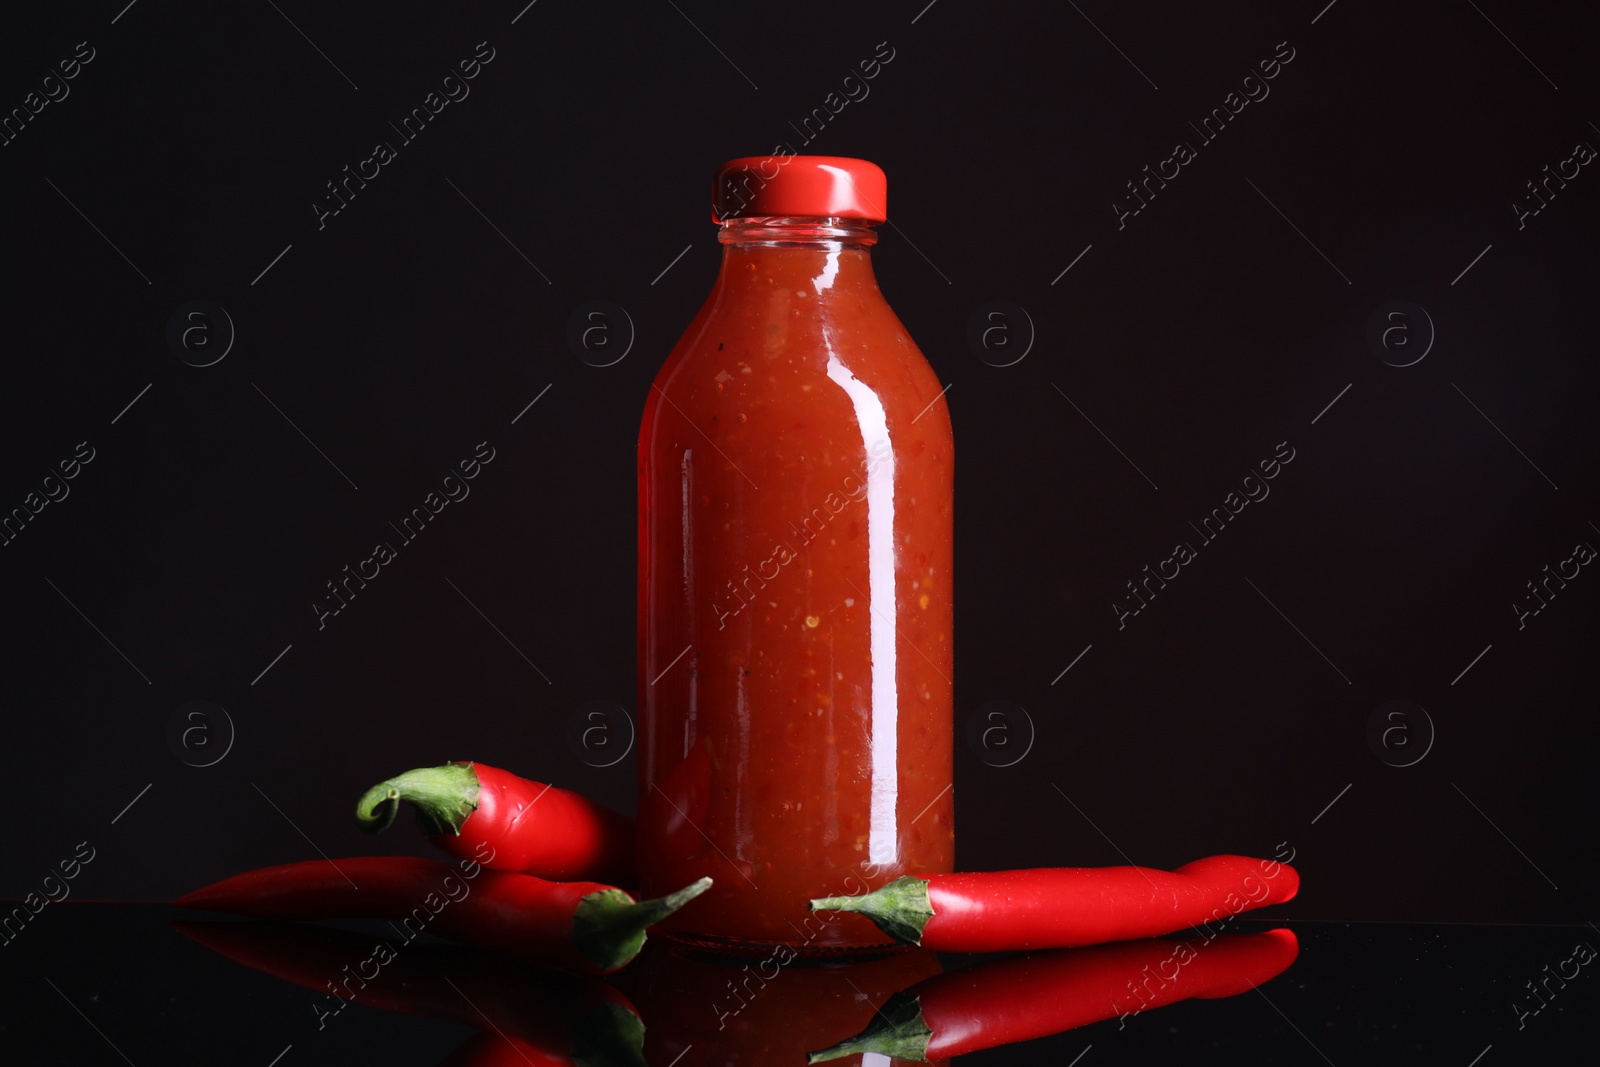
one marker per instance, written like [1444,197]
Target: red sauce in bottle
[795,493]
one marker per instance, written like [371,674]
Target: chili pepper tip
[898,1031]
[444,797]
[609,925]
[900,909]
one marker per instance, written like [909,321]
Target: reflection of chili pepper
[492,1050]
[585,926]
[552,1016]
[1066,907]
[528,826]
[674,808]
[1033,996]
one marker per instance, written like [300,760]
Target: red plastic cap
[835,186]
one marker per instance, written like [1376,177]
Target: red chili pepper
[553,1017]
[1020,999]
[531,827]
[584,926]
[1066,907]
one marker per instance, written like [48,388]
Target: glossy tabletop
[100,983]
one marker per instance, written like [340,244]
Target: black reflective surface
[97,983]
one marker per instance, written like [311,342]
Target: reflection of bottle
[795,489]
[711,1012]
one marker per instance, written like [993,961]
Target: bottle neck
[824,254]
[826,233]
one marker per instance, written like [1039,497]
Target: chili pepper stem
[897,1031]
[900,909]
[608,927]
[443,796]
[609,1036]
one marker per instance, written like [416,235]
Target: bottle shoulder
[798,343]
[792,343]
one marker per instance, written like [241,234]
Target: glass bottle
[795,618]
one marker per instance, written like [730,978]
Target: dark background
[381,349]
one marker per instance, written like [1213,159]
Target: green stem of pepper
[443,796]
